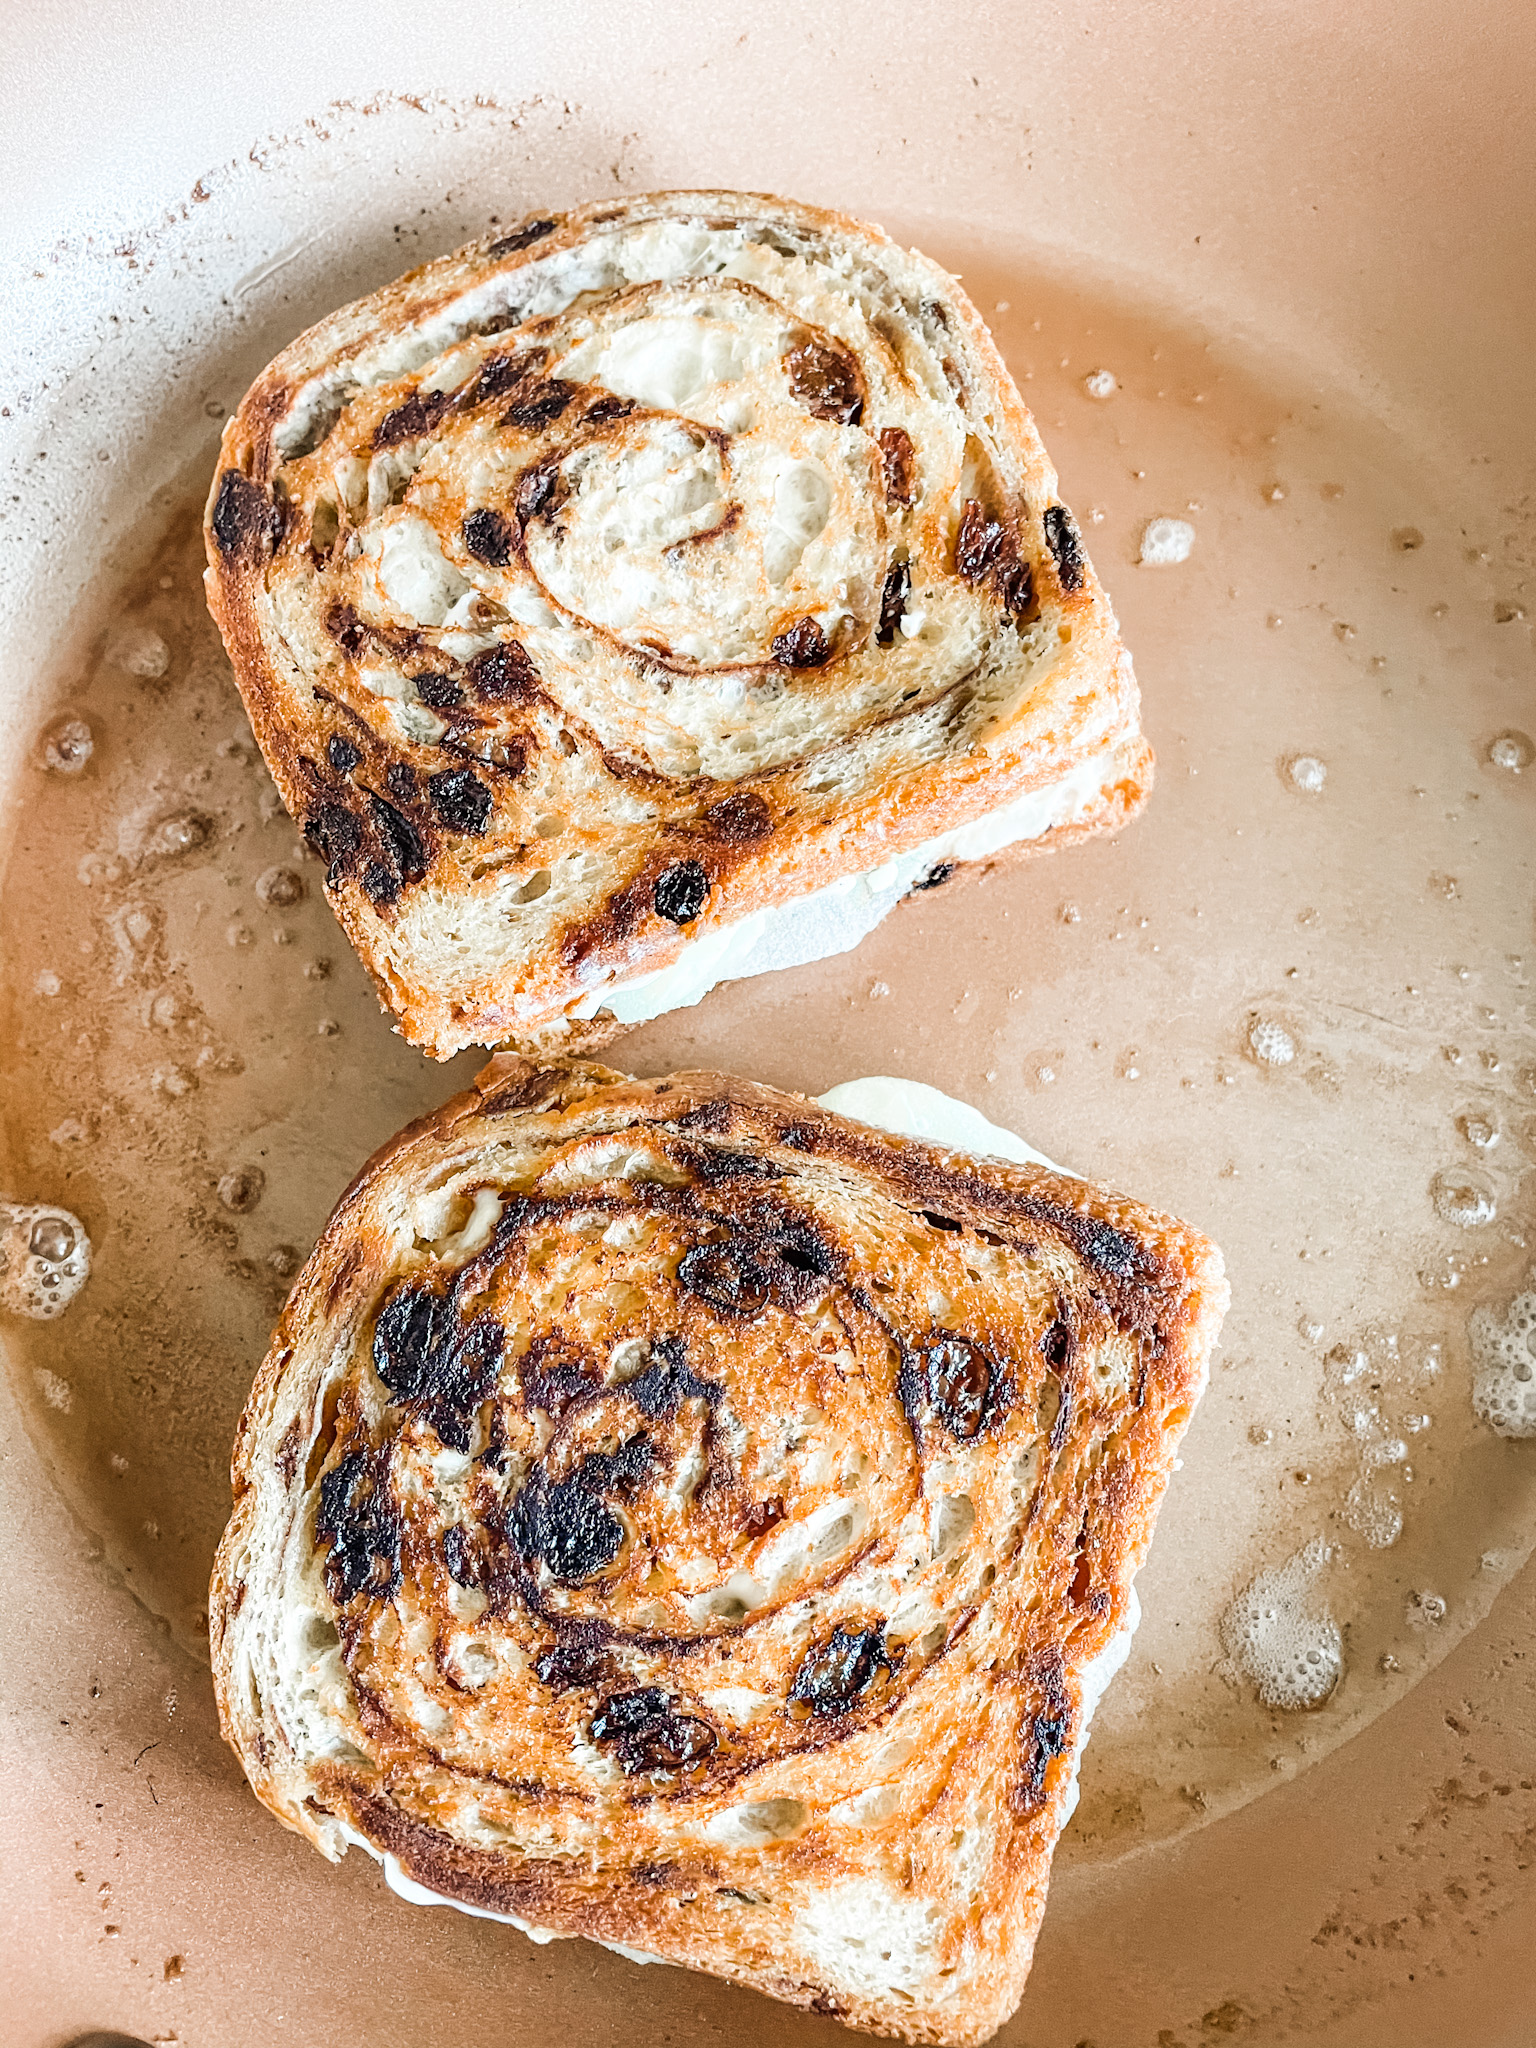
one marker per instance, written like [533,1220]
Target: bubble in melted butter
[1512,750]
[1504,1365]
[1270,1043]
[1166,541]
[1306,773]
[1281,1638]
[45,1259]
[1464,1196]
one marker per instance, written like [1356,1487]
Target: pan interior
[1291,1003]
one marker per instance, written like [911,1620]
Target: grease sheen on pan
[676,1514]
[649,566]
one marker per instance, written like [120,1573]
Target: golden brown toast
[678,1515]
[661,589]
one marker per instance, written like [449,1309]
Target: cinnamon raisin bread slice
[652,595]
[677,1514]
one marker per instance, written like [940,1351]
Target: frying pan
[1292,1002]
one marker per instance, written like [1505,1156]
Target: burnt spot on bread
[621,1471]
[893,601]
[1066,546]
[347,630]
[438,689]
[488,537]
[501,374]
[413,420]
[341,753]
[681,891]
[898,464]
[522,238]
[726,1276]
[1107,1248]
[619,919]
[435,1365]
[802,645]
[539,405]
[540,1088]
[555,1381]
[668,1381]
[575,1664]
[404,843]
[649,1735]
[503,674]
[565,1525]
[717,1114]
[358,1522]
[1045,1736]
[460,1557]
[771,1257]
[834,1675]
[336,834]
[740,819]
[381,884]
[459,799]
[246,522]
[400,780]
[826,380]
[717,1167]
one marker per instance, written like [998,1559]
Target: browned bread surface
[675,1514]
[640,569]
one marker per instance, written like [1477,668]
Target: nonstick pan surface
[1291,1003]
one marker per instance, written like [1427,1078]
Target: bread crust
[658,1618]
[498,839]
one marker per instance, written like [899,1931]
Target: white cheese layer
[1096,1676]
[911,1109]
[416,1894]
[835,919]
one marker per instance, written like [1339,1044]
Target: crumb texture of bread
[642,569]
[674,1514]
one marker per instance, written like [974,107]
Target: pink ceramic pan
[1267,271]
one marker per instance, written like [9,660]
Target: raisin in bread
[676,1514]
[652,595]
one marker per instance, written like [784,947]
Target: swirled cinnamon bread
[652,595]
[675,1514]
